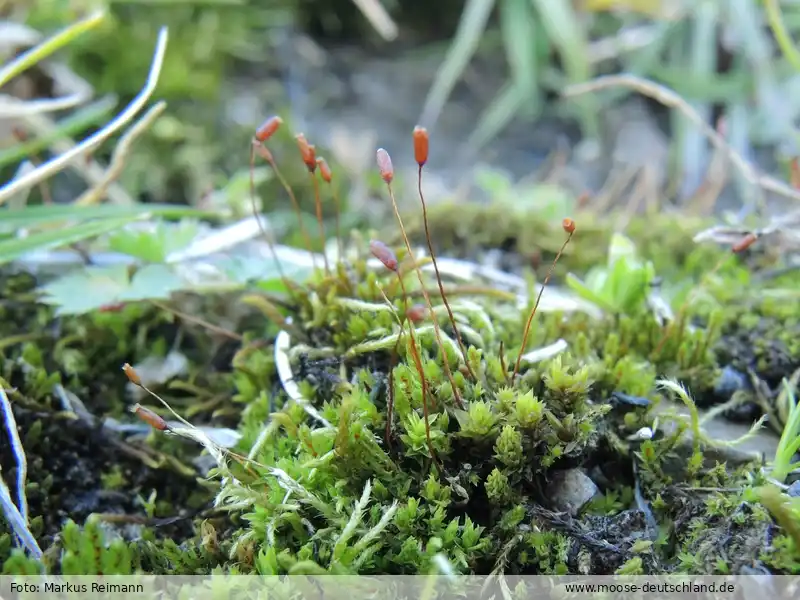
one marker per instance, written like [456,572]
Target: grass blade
[468,35]
[66,128]
[497,116]
[56,213]
[518,27]
[12,249]
[565,32]
[38,53]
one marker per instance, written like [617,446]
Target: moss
[399,462]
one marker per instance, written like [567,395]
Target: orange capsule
[568,225]
[384,254]
[385,165]
[268,128]
[307,152]
[149,417]
[744,243]
[421,144]
[324,170]
[133,376]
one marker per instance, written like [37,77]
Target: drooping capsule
[385,165]
[384,254]
[268,128]
[148,416]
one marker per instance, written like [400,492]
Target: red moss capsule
[421,144]
[384,254]
[307,152]
[744,243]
[324,170]
[417,313]
[149,417]
[111,308]
[132,375]
[385,165]
[794,173]
[268,128]
[568,225]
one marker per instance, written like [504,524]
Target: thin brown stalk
[387,174]
[265,154]
[327,176]
[569,227]
[320,222]
[503,362]
[421,159]
[415,355]
[198,321]
[268,236]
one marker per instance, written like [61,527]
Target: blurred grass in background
[721,56]
[718,55]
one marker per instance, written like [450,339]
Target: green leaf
[154,246]
[87,289]
[12,249]
[91,288]
[152,282]
[620,247]
[587,293]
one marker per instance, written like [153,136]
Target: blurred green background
[484,75]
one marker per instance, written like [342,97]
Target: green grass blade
[776,23]
[468,35]
[53,44]
[56,213]
[565,32]
[95,113]
[695,151]
[497,116]
[12,249]
[518,29]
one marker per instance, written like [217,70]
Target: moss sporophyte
[391,422]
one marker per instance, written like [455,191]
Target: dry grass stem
[670,99]
[120,155]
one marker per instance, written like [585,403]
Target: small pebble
[730,381]
[570,490]
[621,398]
[794,490]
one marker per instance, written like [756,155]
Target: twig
[198,321]
[121,151]
[671,99]
[17,518]
[53,166]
